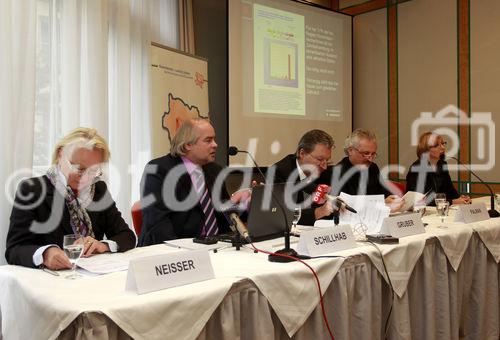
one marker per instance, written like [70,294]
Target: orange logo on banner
[199,79]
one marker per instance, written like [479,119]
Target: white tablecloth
[446,286]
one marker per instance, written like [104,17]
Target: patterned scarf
[79,218]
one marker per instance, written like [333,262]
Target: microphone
[232,151]
[235,223]
[492,212]
[240,227]
[321,194]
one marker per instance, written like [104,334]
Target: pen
[47,270]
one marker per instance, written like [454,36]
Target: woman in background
[69,199]
[430,152]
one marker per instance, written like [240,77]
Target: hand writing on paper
[395,203]
[92,246]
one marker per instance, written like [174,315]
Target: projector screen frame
[338,141]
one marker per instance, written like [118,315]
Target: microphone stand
[492,212]
[336,217]
[236,240]
[287,250]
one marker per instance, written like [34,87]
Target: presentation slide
[289,72]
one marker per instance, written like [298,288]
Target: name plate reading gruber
[152,273]
[403,225]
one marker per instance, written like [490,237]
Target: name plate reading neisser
[403,225]
[152,273]
[469,213]
[326,240]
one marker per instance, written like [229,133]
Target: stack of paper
[371,211]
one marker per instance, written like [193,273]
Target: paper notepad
[371,211]
[410,198]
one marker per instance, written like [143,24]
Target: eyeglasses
[366,154]
[443,144]
[320,160]
[92,172]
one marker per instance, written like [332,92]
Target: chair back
[400,186]
[137,217]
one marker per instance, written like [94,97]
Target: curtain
[186,26]
[70,63]
[17,101]
[132,26]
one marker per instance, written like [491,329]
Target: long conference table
[443,284]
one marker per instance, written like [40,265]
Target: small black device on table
[382,239]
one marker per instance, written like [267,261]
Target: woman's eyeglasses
[443,144]
[92,172]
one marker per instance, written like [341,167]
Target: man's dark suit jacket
[351,186]
[161,222]
[22,243]
[284,169]
[435,181]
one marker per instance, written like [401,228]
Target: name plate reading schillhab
[469,213]
[403,225]
[152,273]
[326,240]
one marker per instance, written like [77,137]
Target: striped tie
[209,225]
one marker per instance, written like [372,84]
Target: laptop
[265,217]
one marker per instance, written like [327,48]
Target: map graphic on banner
[179,91]
[177,112]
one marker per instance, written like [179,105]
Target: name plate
[469,213]
[403,225]
[326,240]
[152,273]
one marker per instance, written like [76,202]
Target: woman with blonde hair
[69,199]
[431,149]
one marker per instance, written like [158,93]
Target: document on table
[410,198]
[371,211]
[104,263]
[112,262]
[298,229]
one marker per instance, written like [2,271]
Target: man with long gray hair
[177,189]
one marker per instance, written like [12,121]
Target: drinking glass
[297,212]
[420,208]
[73,248]
[439,198]
[442,210]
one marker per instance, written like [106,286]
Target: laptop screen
[265,217]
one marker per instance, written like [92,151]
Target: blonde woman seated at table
[434,169]
[70,198]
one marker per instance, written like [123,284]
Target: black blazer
[284,169]
[351,186]
[161,221]
[435,181]
[38,201]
